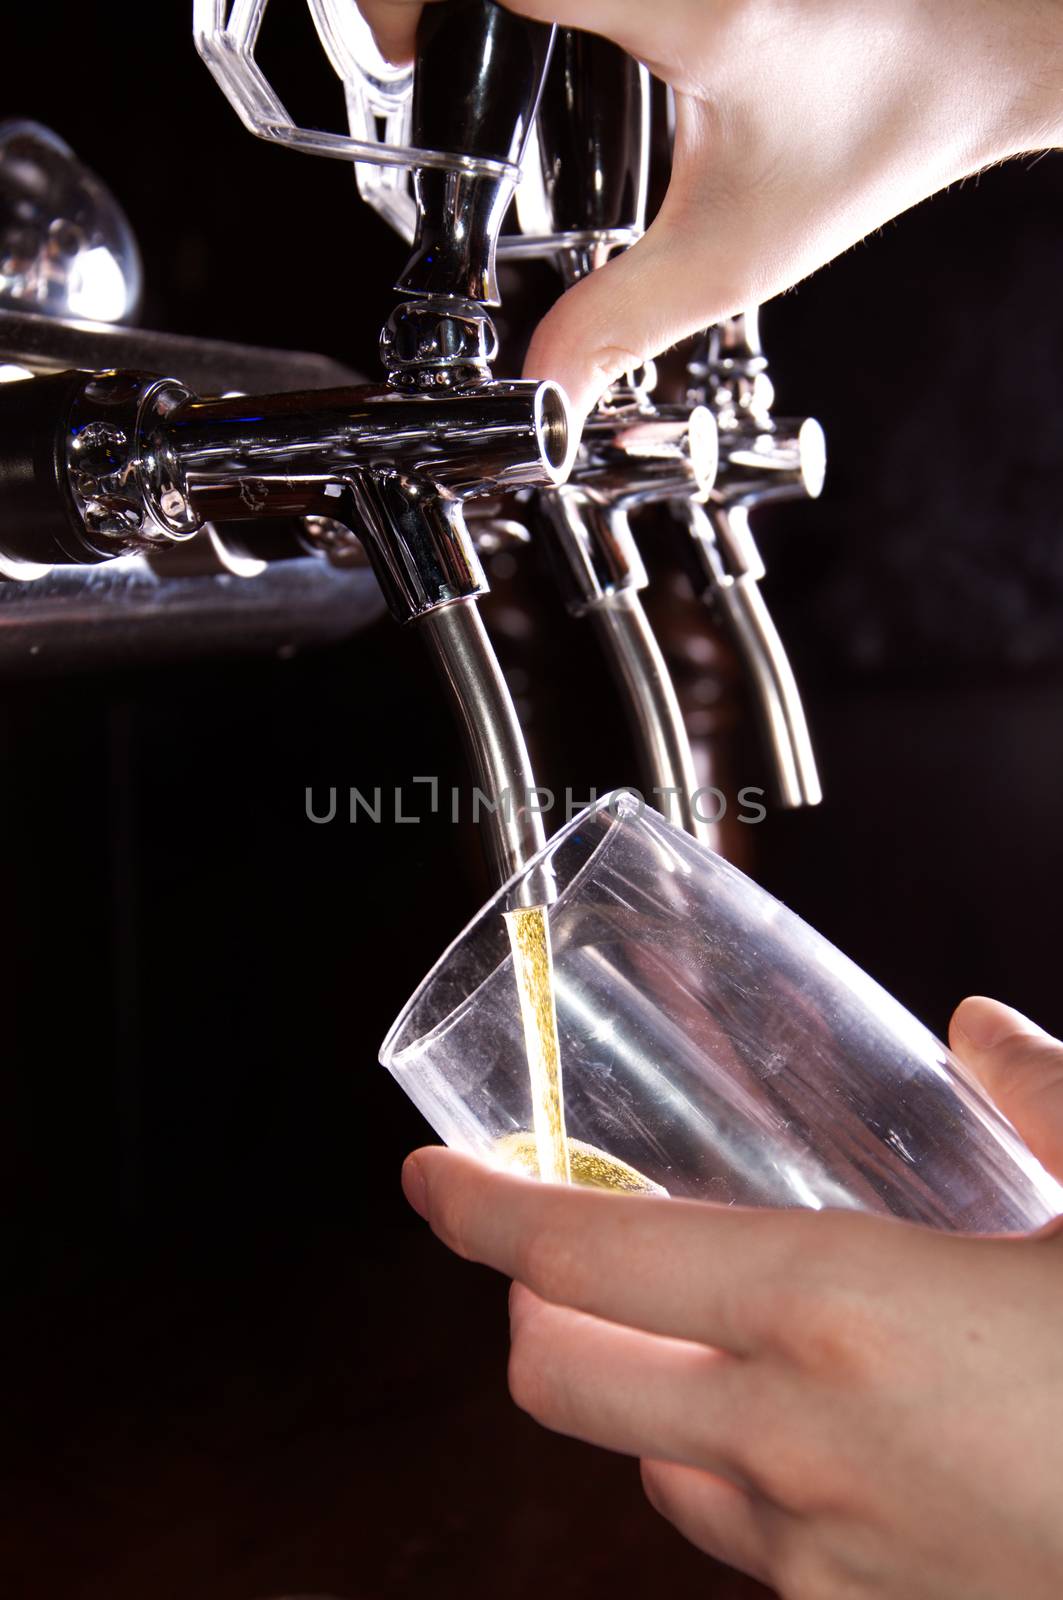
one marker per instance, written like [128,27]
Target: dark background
[236,1364]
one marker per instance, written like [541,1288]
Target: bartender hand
[839,1404]
[802,126]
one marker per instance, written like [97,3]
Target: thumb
[1020,1067]
[712,250]
[394,27]
[638,304]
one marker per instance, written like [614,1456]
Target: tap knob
[478,78]
[763,463]
[593,128]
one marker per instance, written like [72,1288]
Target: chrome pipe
[763,460]
[494,744]
[286,449]
[730,561]
[601,572]
[635,453]
[100,465]
[633,456]
[778,698]
[642,675]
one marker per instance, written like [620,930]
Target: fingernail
[413,1185]
[986,1022]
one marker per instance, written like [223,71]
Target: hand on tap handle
[800,128]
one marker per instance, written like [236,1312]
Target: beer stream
[546,1151]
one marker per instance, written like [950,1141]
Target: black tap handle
[478,78]
[592,132]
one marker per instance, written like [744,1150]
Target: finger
[674,1267]
[631,1392]
[394,22]
[1020,1067]
[394,25]
[717,245]
[724,1521]
[631,24]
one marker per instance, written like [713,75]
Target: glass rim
[623,804]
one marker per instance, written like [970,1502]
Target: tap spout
[642,675]
[494,744]
[732,572]
[763,460]
[594,149]
[600,571]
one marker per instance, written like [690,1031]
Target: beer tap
[593,137]
[97,465]
[763,459]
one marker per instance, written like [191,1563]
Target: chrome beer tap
[96,465]
[593,138]
[763,459]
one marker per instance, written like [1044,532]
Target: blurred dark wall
[202,977]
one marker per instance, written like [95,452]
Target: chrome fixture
[66,248]
[171,598]
[385,139]
[762,460]
[99,466]
[136,465]
[633,455]
[593,141]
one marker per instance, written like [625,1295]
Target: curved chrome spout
[601,573]
[493,741]
[642,674]
[733,570]
[763,459]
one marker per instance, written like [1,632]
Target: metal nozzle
[732,570]
[763,460]
[494,745]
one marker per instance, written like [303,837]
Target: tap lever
[593,132]
[477,81]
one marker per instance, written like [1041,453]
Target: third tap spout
[763,459]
